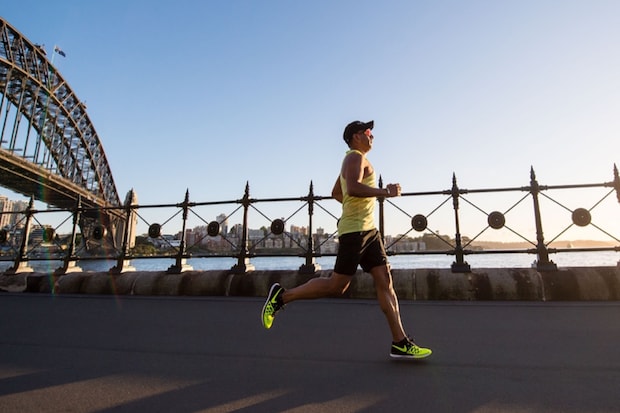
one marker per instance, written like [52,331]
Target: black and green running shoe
[272,305]
[407,349]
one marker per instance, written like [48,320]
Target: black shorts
[360,248]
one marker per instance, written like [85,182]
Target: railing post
[310,267]
[122,263]
[617,182]
[381,212]
[459,265]
[69,264]
[617,188]
[243,261]
[21,261]
[180,264]
[543,263]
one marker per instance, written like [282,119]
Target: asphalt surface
[131,354]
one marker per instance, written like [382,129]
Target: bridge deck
[27,178]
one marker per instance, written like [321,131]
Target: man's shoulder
[354,153]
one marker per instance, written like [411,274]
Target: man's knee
[382,278]
[339,283]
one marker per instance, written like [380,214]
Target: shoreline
[293,263]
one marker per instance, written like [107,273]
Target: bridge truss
[49,147]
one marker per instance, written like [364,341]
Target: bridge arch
[49,147]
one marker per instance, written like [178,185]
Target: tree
[143,246]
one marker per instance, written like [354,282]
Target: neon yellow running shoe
[407,349]
[272,305]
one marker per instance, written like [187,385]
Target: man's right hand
[393,190]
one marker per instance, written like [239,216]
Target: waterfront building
[11,216]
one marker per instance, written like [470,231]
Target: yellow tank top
[358,214]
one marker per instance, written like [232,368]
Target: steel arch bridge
[49,148]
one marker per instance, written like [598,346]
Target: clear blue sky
[206,95]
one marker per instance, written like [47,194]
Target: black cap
[354,127]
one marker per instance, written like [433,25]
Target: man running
[360,244]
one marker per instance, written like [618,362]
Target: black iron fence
[30,238]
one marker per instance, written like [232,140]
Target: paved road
[129,354]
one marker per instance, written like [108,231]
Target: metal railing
[91,243]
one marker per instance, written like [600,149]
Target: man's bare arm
[353,172]
[337,190]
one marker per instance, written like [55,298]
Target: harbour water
[565,259]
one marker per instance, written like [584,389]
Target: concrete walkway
[94,353]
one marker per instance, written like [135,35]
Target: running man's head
[358,135]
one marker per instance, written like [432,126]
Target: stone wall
[524,284]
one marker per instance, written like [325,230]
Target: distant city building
[299,230]
[222,219]
[41,234]
[6,205]
[406,244]
[9,218]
